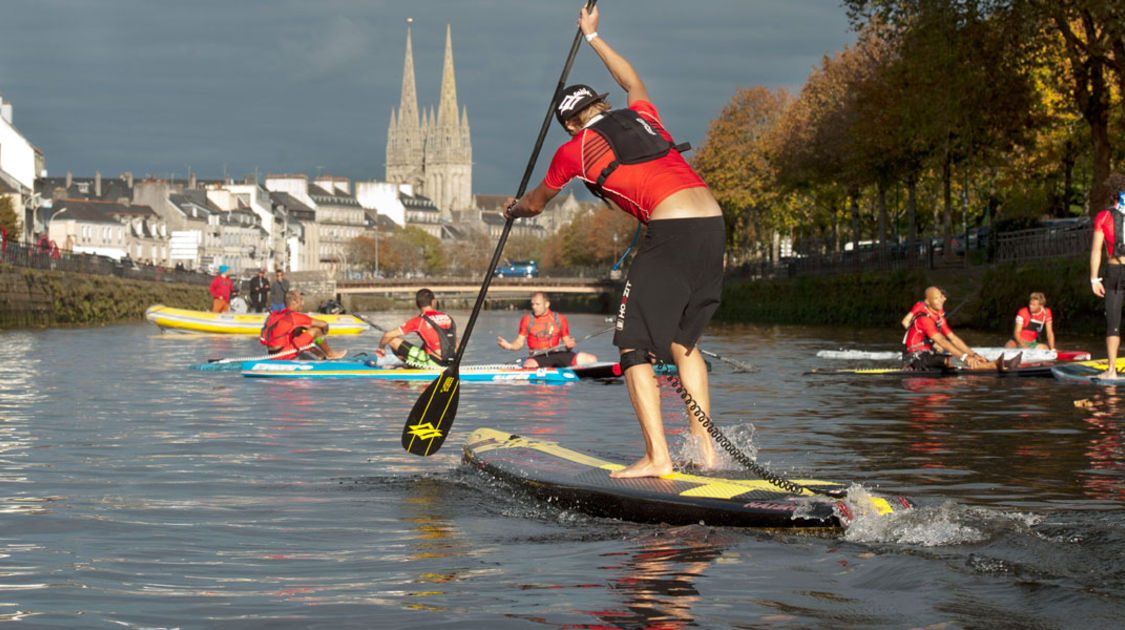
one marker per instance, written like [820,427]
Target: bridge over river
[501,289]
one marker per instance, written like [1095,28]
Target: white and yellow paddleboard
[187,320]
[1088,371]
[581,482]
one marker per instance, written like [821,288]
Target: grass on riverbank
[985,298]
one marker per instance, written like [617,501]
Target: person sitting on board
[930,336]
[1108,230]
[289,332]
[221,287]
[437,330]
[627,158]
[1032,323]
[548,337]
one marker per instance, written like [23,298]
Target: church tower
[405,139]
[434,153]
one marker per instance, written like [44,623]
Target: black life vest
[447,337]
[1037,326]
[1118,233]
[632,139]
[916,339]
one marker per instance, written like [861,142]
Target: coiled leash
[722,440]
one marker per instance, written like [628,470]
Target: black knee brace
[630,358]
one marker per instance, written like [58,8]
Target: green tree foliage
[1086,36]
[470,256]
[362,251]
[408,250]
[8,218]
[734,162]
[588,240]
[522,247]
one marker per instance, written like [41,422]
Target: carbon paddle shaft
[370,323]
[432,415]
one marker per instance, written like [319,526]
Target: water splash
[741,435]
[929,526]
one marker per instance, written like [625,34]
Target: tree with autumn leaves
[942,108]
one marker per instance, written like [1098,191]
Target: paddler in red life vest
[288,332]
[548,337]
[929,336]
[437,330]
[1109,229]
[1033,325]
[676,279]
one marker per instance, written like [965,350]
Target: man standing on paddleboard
[1109,230]
[674,285]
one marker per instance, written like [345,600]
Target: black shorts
[416,356]
[674,286]
[556,359]
[1114,284]
[923,360]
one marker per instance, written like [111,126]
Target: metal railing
[1040,243]
[888,259]
[31,257]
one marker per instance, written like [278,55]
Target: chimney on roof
[6,111]
[129,178]
[98,184]
[69,180]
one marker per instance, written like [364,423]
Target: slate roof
[322,197]
[382,221]
[113,188]
[490,202]
[418,202]
[193,197]
[99,211]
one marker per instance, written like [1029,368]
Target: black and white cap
[574,99]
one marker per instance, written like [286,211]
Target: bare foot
[1108,374]
[335,354]
[642,468]
[710,459]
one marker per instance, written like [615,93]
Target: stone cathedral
[433,153]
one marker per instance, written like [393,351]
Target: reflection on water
[135,492]
[656,583]
[1106,451]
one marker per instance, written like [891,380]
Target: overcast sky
[297,86]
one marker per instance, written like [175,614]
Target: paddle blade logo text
[425,431]
[446,384]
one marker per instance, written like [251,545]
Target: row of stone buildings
[282,222]
[289,222]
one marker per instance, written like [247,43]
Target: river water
[138,493]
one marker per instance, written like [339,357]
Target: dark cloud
[154,86]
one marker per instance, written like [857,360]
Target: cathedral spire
[447,106]
[408,103]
